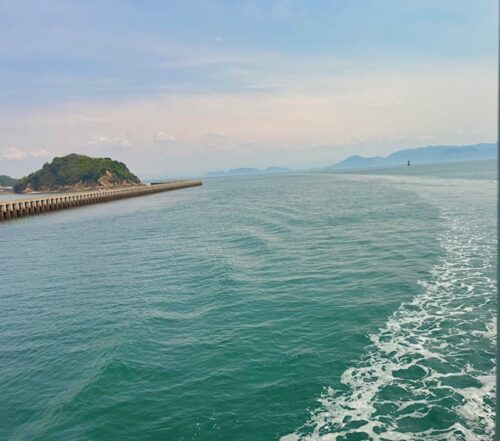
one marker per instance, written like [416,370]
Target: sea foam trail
[429,374]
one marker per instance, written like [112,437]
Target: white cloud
[217,135]
[13,154]
[102,141]
[165,137]
[39,153]
[16,154]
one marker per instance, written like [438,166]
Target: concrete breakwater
[13,209]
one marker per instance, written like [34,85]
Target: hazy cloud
[102,141]
[16,154]
[39,153]
[13,154]
[165,137]
[216,135]
[285,126]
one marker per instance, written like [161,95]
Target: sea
[297,306]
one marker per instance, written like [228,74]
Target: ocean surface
[300,306]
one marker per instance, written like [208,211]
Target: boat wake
[429,374]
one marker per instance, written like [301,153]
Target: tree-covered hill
[7,181]
[74,172]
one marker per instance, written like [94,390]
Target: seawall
[16,208]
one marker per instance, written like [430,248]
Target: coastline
[15,208]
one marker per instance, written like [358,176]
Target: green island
[77,172]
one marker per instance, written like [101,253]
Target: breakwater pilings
[16,208]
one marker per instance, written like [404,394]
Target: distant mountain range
[441,153]
[247,171]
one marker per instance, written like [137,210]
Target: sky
[183,87]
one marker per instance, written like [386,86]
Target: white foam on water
[429,374]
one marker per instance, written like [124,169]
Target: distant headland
[6,182]
[422,155]
[418,155]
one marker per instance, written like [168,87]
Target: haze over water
[300,306]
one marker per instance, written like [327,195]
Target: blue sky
[183,87]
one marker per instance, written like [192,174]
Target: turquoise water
[295,307]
